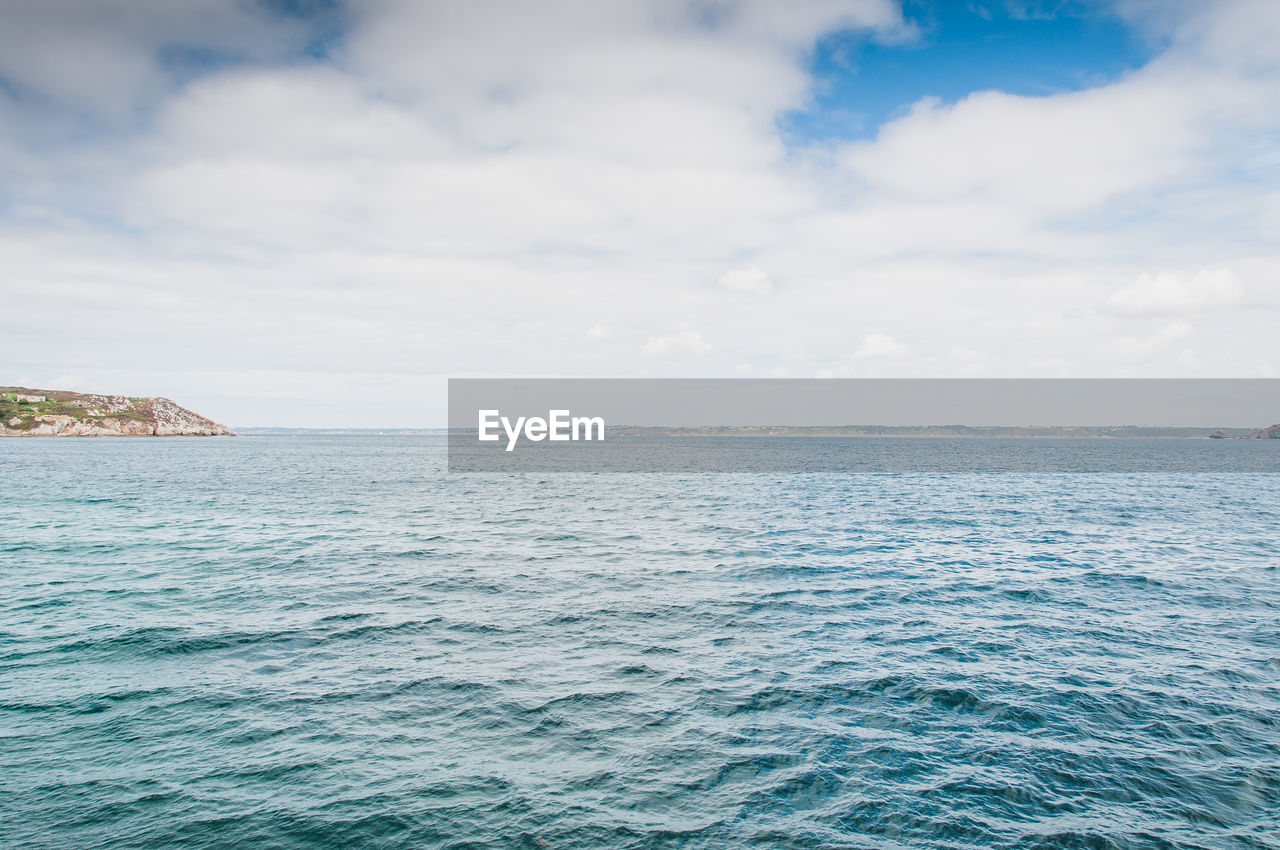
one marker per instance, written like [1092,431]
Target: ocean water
[330,642]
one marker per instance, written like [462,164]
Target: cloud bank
[257,212]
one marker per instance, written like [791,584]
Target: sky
[309,213]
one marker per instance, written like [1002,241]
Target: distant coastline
[894,431]
[977,431]
[852,431]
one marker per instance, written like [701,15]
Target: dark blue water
[329,642]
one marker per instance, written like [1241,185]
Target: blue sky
[961,47]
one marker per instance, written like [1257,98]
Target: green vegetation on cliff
[18,403]
[26,412]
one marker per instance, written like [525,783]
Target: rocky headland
[1272,433]
[26,412]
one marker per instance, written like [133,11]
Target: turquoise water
[329,642]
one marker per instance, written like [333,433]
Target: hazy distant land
[1083,431]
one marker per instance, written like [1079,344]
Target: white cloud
[1172,293]
[1164,337]
[66,382]
[676,345]
[969,362]
[879,345]
[103,61]
[1048,155]
[752,280]
[597,333]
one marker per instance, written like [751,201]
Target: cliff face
[56,413]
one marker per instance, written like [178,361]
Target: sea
[317,641]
